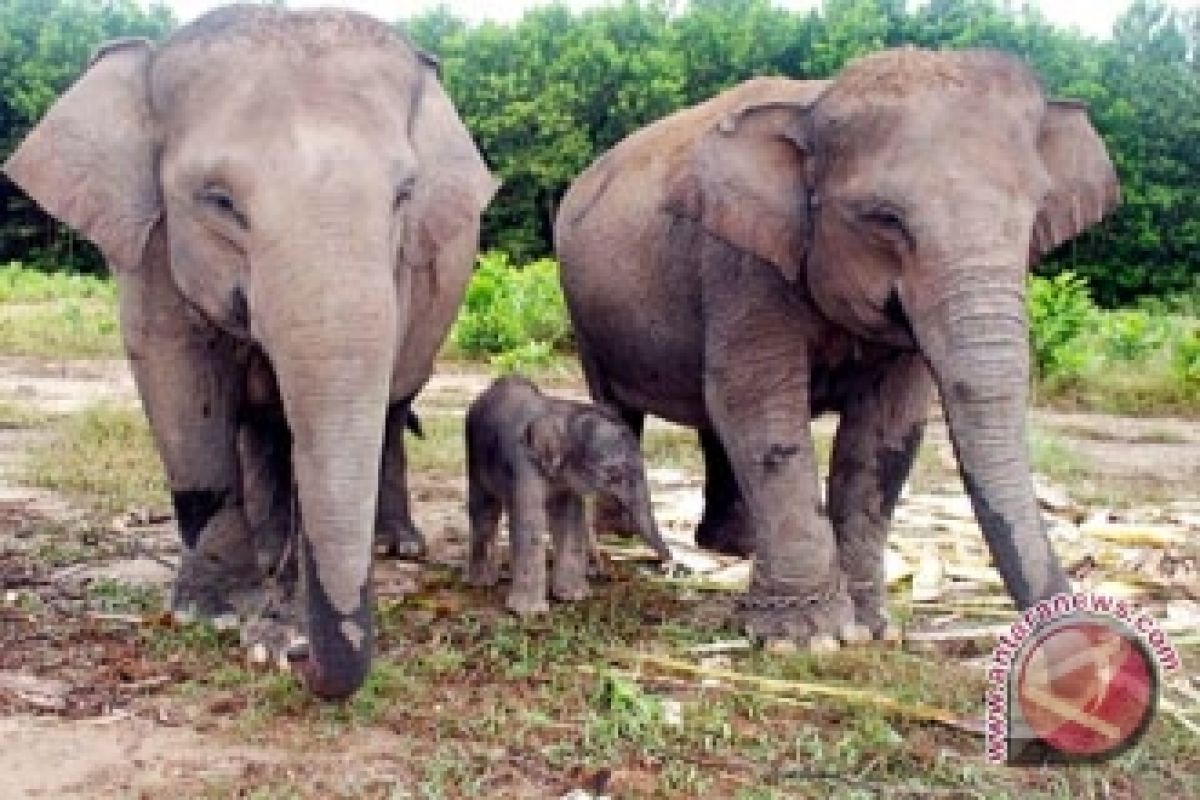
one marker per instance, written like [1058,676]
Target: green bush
[1186,363]
[513,315]
[1060,310]
[1124,361]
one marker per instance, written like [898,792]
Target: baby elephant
[536,457]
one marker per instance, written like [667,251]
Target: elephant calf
[536,457]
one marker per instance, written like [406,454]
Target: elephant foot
[730,533]
[870,611]
[482,573]
[527,604]
[610,517]
[207,589]
[570,590]
[400,539]
[270,635]
[821,621]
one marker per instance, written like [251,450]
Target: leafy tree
[547,94]
[44,45]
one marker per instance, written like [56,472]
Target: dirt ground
[91,706]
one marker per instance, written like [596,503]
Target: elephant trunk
[975,338]
[643,515]
[332,340]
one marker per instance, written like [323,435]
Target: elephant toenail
[781,647]
[853,633]
[823,644]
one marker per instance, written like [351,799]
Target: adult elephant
[290,206]
[795,247]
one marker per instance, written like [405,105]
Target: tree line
[545,95]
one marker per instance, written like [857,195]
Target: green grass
[16,413]
[472,689]
[103,457]
[84,328]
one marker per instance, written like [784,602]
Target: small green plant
[622,712]
[112,596]
[1186,362]
[1060,310]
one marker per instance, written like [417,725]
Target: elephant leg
[527,527]
[877,440]
[483,559]
[725,526]
[609,515]
[569,580]
[265,449]
[756,389]
[190,381]
[395,531]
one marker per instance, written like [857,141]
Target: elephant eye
[888,220]
[404,191]
[219,199]
[885,218]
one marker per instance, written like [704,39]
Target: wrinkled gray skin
[537,457]
[790,248]
[290,206]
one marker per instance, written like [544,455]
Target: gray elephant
[290,206]
[796,247]
[536,458]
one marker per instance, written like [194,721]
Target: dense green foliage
[513,316]
[1127,360]
[547,94]
[44,44]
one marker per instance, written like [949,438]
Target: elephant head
[591,452]
[297,168]
[907,199]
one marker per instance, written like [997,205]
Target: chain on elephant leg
[793,599]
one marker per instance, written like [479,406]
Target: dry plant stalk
[776,686]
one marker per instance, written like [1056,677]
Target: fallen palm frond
[708,684]
[786,688]
[1179,715]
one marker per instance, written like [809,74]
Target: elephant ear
[546,440]
[453,184]
[1084,186]
[747,184]
[90,162]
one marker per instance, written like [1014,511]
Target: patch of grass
[1054,458]
[85,328]
[489,704]
[672,446]
[442,450]
[103,457]
[116,597]
[57,315]
[18,414]
[22,284]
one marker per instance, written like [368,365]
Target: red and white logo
[1074,679]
